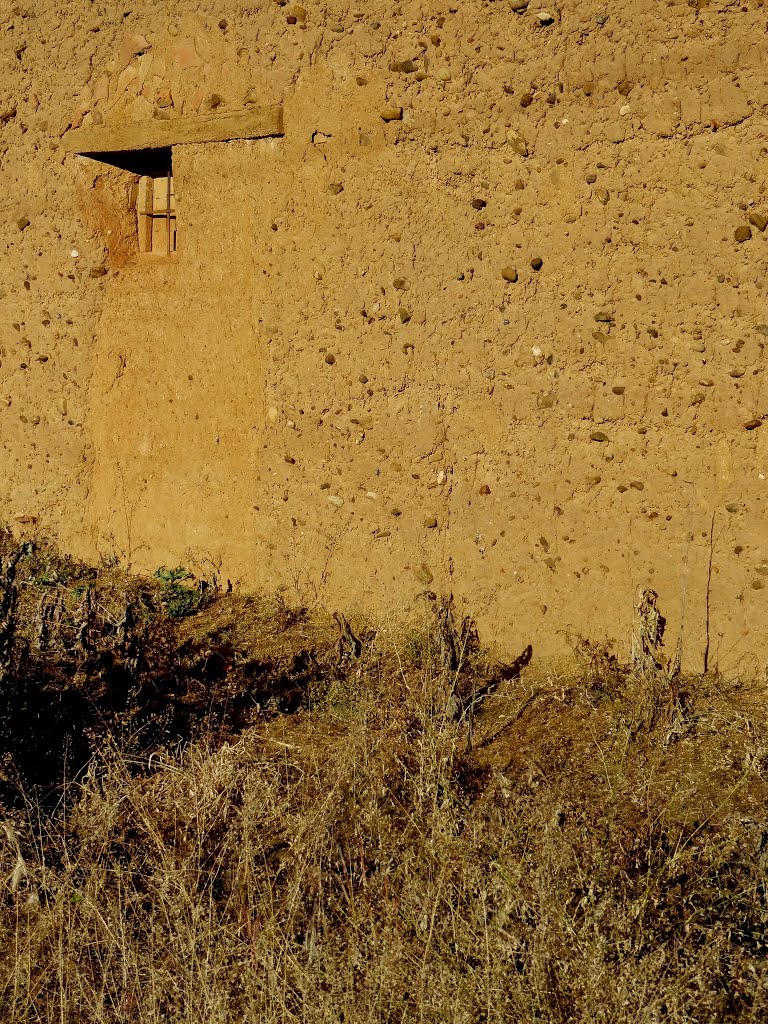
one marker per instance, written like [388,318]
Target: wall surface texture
[509,344]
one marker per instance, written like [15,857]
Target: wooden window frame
[156,214]
[145,150]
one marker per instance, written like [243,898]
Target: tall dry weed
[358,866]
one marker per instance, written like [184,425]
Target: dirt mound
[92,655]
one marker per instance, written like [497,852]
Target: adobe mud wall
[510,343]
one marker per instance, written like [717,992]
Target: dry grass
[352,862]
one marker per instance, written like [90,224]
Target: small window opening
[156,214]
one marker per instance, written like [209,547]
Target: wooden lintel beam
[253,123]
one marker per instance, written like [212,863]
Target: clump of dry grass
[371,871]
[353,861]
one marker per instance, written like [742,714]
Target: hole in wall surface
[150,227]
